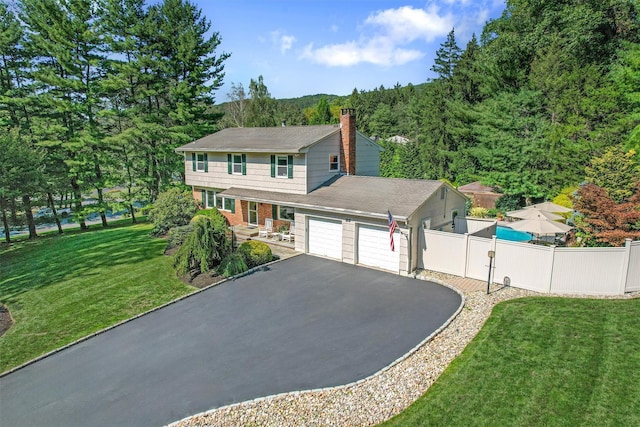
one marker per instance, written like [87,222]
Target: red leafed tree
[605,222]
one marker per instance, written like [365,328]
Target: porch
[250,232]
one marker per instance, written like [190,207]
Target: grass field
[62,287]
[542,362]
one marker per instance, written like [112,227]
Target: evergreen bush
[177,235]
[173,208]
[232,265]
[479,212]
[255,253]
[218,220]
[203,248]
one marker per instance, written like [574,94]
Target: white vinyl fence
[547,269]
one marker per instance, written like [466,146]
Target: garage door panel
[325,238]
[374,248]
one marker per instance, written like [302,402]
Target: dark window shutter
[204,198]
[244,164]
[290,166]
[233,205]
[206,163]
[273,166]
[274,211]
[193,161]
[229,164]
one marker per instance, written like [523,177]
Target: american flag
[392,229]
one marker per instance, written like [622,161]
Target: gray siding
[438,211]
[367,156]
[318,161]
[258,174]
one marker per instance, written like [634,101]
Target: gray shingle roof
[364,195]
[288,139]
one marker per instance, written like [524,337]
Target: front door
[253,213]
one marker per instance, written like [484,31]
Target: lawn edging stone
[187,421]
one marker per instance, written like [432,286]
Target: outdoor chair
[288,234]
[267,231]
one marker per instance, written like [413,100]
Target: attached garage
[374,248]
[325,238]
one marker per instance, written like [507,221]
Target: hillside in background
[546,90]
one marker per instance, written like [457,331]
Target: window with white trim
[211,199]
[237,164]
[334,162]
[282,167]
[200,160]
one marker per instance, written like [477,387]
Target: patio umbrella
[540,227]
[530,213]
[549,207]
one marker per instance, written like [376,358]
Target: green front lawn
[542,362]
[61,288]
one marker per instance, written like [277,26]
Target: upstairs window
[282,166]
[237,164]
[334,163]
[199,162]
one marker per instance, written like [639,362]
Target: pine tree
[447,57]
[67,47]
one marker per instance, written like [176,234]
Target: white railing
[547,269]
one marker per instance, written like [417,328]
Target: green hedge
[255,253]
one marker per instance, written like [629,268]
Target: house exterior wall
[367,156]
[350,225]
[318,161]
[438,211]
[258,166]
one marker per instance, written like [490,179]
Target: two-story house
[324,181]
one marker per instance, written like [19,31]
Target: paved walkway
[299,324]
[467,284]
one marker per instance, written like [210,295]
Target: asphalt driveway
[302,323]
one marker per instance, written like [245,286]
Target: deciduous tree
[604,222]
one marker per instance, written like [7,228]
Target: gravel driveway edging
[382,395]
[377,397]
[188,421]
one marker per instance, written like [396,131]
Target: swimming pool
[506,233]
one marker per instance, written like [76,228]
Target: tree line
[548,88]
[547,94]
[97,94]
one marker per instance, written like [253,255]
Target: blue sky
[305,47]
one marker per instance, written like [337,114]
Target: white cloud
[376,51]
[406,23]
[394,29]
[283,42]
[286,42]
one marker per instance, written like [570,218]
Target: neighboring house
[398,139]
[324,180]
[481,196]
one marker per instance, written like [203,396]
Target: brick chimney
[348,141]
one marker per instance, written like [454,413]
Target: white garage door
[374,248]
[325,238]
